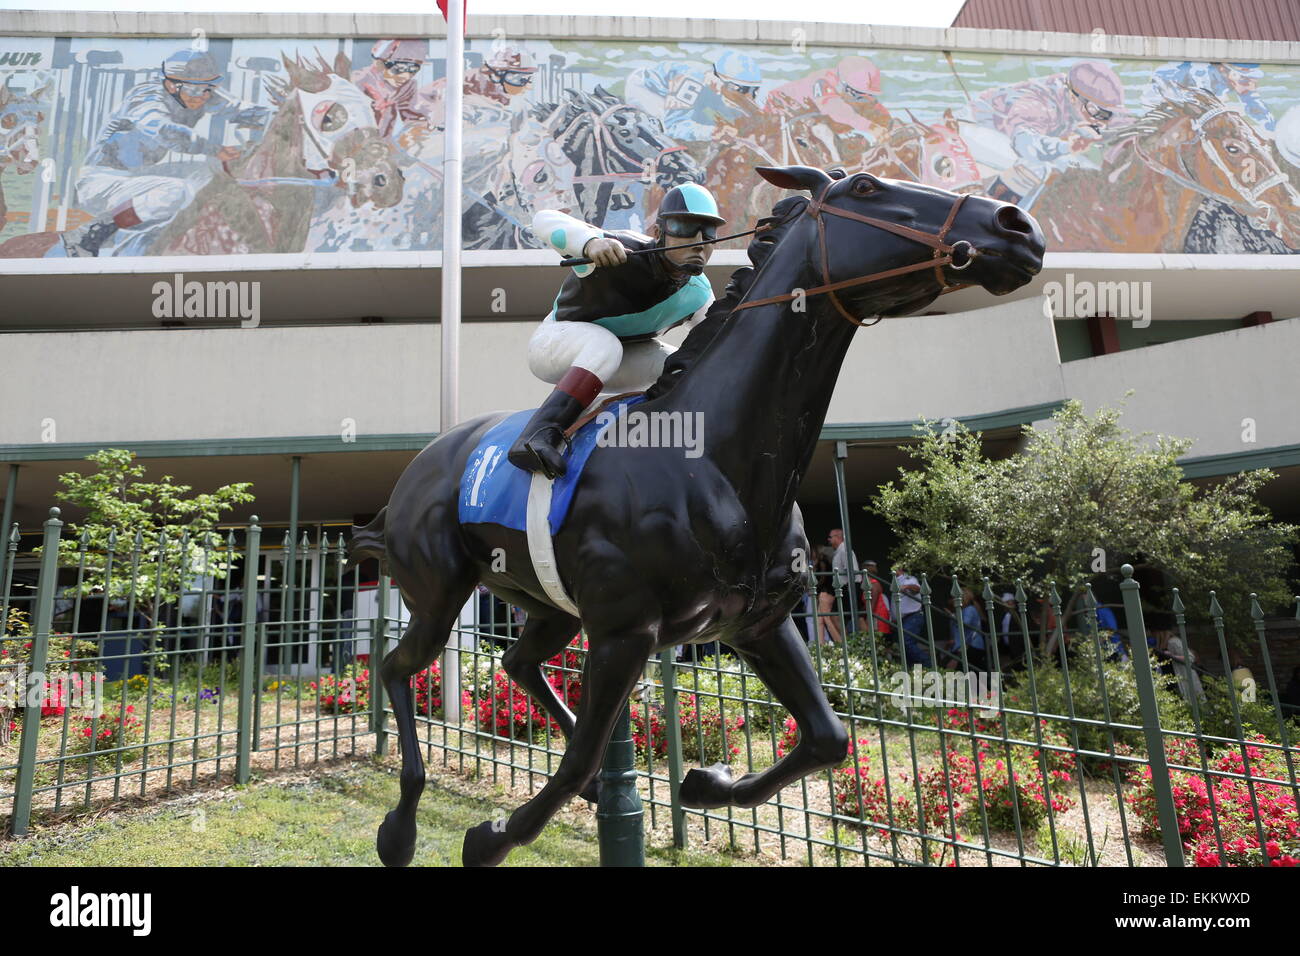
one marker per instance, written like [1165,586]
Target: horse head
[896,246]
[21,116]
[1211,148]
[628,139]
[339,133]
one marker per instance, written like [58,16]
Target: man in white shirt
[840,564]
[909,608]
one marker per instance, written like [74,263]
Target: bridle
[959,255]
[1251,206]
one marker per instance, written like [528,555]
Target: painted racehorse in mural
[660,550]
[590,155]
[911,151]
[265,201]
[21,116]
[304,164]
[624,160]
[1157,173]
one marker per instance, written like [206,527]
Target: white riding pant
[621,367]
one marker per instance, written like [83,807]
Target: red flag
[442,5]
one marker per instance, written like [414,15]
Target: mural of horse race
[157,147]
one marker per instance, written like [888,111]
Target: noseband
[959,254]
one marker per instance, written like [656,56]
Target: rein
[945,254]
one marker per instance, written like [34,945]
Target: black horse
[659,549]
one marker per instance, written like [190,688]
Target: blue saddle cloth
[493,491]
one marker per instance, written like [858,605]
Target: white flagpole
[449,405]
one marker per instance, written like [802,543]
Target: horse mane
[1181,102]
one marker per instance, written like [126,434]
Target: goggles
[687,228]
[743,88]
[1099,113]
[513,77]
[402,66]
[194,89]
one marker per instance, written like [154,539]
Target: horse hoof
[707,788]
[485,845]
[396,841]
[591,792]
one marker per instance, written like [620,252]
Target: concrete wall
[1203,388]
[985,360]
[267,382]
[235,383]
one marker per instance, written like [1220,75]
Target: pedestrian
[909,609]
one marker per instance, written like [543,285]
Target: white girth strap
[540,546]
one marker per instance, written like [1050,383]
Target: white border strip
[779,32]
[542,259]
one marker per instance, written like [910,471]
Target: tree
[156,517]
[1084,496]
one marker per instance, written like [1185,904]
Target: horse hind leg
[424,639]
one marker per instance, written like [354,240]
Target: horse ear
[795,177]
[342,66]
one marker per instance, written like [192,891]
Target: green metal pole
[1146,688]
[34,686]
[248,656]
[842,493]
[620,828]
[378,647]
[673,728]
[288,611]
[10,491]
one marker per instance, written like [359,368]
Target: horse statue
[21,116]
[660,550]
[1157,174]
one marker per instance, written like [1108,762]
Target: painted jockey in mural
[390,83]
[124,182]
[492,93]
[602,332]
[692,101]
[1228,81]
[848,94]
[1051,120]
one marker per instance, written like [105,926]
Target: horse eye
[863,186]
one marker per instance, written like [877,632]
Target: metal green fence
[985,732]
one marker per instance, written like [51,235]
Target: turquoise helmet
[690,201]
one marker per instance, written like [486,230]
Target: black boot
[541,445]
[86,240]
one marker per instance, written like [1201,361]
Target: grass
[326,817]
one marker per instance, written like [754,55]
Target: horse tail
[368,541]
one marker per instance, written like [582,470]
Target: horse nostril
[380,180]
[1013,219]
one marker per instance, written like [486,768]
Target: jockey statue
[602,333]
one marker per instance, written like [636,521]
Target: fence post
[248,655]
[1146,688]
[620,825]
[378,646]
[673,730]
[34,685]
[842,493]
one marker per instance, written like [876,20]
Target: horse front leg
[781,661]
[542,639]
[614,665]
